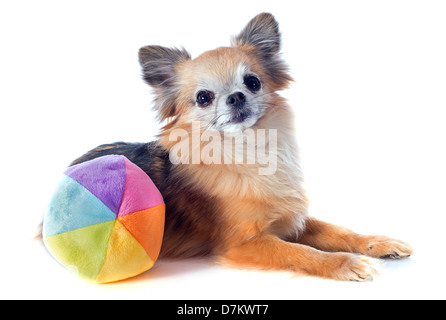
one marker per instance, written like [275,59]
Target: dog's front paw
[350,267]
[384,247]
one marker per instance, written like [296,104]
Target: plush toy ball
[105,220]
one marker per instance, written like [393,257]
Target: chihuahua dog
[218,200]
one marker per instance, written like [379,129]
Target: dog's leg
[328,237]
[270,252]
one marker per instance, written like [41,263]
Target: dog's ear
[262,36]
[159,65]
[262,32]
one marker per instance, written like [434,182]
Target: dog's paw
[384,247]
[351,267]
[358,268]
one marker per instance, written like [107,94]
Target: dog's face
[228,88]
[224,88]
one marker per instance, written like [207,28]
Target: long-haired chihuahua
[227,166]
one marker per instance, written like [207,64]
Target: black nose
[236,100]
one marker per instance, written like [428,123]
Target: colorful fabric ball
[105,220]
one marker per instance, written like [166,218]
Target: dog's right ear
[159,66]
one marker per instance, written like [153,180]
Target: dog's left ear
[262,32]
[262,35]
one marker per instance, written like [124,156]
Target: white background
[370,100]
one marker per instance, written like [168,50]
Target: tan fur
[261,212]
[229,210]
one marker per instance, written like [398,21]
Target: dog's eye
[253,83]
[205,98]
